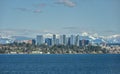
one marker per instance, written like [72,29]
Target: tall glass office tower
[39,39]
[72,40]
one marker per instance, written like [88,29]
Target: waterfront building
[24,41]
[29,41]
[39,39]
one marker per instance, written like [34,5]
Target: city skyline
[61,40]
[29,17]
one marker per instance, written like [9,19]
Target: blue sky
[61,16]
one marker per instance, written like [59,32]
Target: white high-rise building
[63,40]
[72,40]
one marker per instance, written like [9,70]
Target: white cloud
[17,32]
[40,5]
[23,9]
[67,3]
[37,11]
[24,32]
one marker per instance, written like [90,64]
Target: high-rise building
[48,41]
[39,39]
[63,40]
[72,40]
[77,40]
[68,41]
[57,42]
[86,42]
[33,41]
[54,39]
[83,42]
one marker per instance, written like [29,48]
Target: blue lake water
[60,64]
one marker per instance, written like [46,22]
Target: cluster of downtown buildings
[61,40]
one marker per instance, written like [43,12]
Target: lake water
[60,64]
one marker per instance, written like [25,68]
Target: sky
[31,17]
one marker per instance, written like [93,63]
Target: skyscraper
[68,41]
[54,39]
[39,39]
[77,40]
[57,41]
[72,40]
[83,42]
[33,41]
[63,40]
[48,41]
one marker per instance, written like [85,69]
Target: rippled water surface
[60,64]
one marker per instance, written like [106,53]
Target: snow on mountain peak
[113,36]
[48,35]
[84,34]
[92,37]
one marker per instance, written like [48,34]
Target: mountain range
[91,38]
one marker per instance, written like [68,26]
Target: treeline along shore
[26,48]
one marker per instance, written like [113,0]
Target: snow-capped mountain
[6,40]
[93,38]
[18,38]
[113,39]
